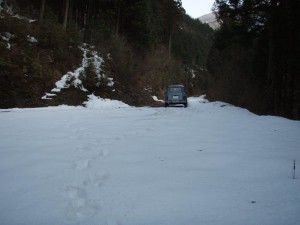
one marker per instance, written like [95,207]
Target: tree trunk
[76,18]
[118,17]
[66,15]
[42,10]
[271,73]
[170,46]
[293,32]
[87,24]
[5,5]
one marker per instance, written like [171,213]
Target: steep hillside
[141,53]
[32,58]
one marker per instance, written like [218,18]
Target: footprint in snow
[89,147]
[104,153]
[79,207]
[86,163]
[96,179]
[83,164]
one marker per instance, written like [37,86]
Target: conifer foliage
[255,57]
[146,45]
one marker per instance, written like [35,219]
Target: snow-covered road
[111,164]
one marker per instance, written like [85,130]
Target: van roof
[176,85]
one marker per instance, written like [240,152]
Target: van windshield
[175,89]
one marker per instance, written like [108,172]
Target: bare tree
[118,4]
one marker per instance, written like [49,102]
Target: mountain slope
[141,52]
[210,19]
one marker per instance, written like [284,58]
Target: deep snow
[111,164]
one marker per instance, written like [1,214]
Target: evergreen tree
[269,31]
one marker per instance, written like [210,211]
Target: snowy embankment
[210,163]
[7,36]
[74,78]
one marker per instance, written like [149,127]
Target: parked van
[174,95]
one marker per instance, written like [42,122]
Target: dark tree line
[147,22]
[128,29]
[255,57]
[144,43]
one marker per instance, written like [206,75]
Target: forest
[146,44]
[254,60]
[251,61]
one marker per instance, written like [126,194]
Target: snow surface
[210,163]
[95,102]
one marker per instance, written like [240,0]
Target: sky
[197,8]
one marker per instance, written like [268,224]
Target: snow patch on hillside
[156,99]
[7,37]
[10,11]
[75,78]
[31,39]
[22,18]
